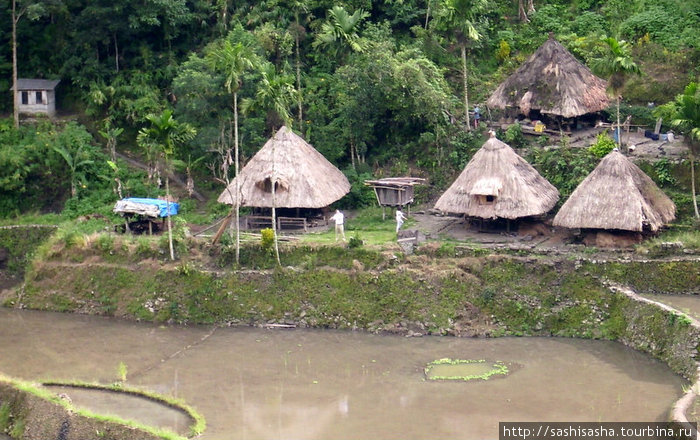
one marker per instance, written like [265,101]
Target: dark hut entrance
[492,226]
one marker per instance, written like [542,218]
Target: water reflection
[261,384]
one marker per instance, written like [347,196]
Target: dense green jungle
[377,87]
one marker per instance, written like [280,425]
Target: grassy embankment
[445,288]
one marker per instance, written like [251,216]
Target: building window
[25,98]
[39,97]
[486,200]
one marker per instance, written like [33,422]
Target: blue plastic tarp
[161,205]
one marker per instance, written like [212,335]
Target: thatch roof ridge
[497,170]
[304,177]
[552,81]
[616,195]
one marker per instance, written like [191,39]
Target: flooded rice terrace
[301,384]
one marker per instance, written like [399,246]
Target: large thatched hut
[497,183]
[303,178]
[617,195]
[551,82]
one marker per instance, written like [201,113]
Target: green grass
[33,219]
[367,226]
[689,239]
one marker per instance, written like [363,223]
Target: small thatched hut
[617,195]
[303,178]
[552,81]
[497,183]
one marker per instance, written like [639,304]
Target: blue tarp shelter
[148,207]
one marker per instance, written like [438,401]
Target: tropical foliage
[377,87]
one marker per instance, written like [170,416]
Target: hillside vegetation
[377,87]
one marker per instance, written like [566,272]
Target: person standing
[400,217]
[477,116]
[339,219]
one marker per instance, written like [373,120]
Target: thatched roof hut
[616,195]
[497,183]
[303,177]
[552,81]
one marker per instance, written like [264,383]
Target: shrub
[503,51]
[513,136]
[267,239]
[604,144]
[105,243]
[355,242]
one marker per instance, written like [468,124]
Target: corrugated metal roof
[36,84]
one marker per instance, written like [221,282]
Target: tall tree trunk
[521,12]
[237,201]
[617,128]
[427,15]
[352,154]
[466,92]
[299,97]
[692,183]
[116,53]
[14,64]
[274,206]
[531,6]
[170,223]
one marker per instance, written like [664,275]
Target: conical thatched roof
[552,81]
[616,195]
[304,178]
[498,183]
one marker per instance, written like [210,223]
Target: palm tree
[340,30]
[76,161]
[163,135]
[275,95]
[616,64]
[684,114]
[457,17]
[299,32]
[233,60]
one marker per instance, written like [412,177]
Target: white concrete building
[36,96]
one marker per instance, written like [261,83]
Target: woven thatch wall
[518,190]
[616,195]
[552,81]
[305,179]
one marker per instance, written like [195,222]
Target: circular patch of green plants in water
[464,369]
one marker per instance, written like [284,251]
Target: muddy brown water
[279,384]
[127,407]
[688,304]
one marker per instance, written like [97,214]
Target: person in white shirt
[399,219]
[339,219]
